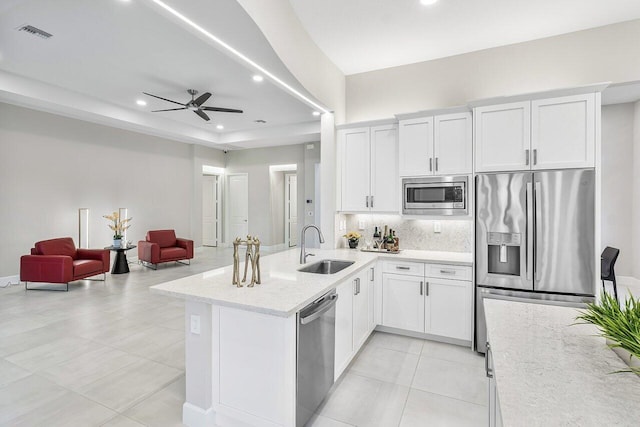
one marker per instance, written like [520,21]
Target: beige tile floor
[112,354]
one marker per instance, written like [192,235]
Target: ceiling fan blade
[202,99]
[164,99]
[202,114]
[222,110]
[170,109]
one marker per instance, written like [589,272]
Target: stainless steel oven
[439,195]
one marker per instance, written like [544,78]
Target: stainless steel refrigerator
[535,236]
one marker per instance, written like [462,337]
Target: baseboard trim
[194,416]
[630,284]
[455,341]
[11,280]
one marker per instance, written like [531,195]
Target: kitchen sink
[326,266]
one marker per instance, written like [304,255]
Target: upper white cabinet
[502,136]
[550,133]
[437,145]
[369,169]
[563,132]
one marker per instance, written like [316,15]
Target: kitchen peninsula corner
[241,342]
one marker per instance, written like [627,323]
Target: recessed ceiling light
[428,2]
[141,103]
[219,127]
[258,78]
[316,113]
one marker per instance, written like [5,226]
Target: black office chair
[607,261]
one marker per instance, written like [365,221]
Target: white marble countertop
[550,371]
[285,290]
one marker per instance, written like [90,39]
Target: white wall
[617,183]
[635,190]
[255,163]
[50,166]
[597,55]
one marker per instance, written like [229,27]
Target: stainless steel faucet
[303,252]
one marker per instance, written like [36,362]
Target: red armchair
[58,261]
[163,246]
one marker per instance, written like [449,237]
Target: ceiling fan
[195,104]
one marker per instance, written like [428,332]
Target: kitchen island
[241,342]
[549,371]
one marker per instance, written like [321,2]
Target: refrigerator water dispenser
[504,253]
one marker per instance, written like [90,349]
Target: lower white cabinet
[432,305]
[448,308]
[403,302]
[354,315]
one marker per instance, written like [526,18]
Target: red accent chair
[163,246]
[58,261]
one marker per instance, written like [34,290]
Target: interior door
[292,209]
[238,206]
[565,231]
[210,210]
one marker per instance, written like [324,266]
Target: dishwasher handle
[320,310]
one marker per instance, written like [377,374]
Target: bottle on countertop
[396,242]
[376,233]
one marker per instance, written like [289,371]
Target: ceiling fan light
[316,113]
[219,127]
[141,102]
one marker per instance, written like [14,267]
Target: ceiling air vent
[35,31]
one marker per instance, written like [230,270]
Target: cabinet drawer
[403,267]
[445,271]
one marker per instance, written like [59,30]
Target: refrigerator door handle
[538,229]
[529,236]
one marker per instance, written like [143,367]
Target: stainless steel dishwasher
[316,354]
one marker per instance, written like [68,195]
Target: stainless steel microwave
[438,195]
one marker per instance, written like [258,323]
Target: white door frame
[287,198]
[227,214]
[219,179]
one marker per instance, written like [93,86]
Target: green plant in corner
[621,326]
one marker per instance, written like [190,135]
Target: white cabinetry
[429,298]
[403,302]
[368,169]
[437,145]
[354,318]
[541,134]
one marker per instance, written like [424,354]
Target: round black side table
[120,266]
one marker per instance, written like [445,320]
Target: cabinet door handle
[402,267]
[430,164]
[373,274]
[426,288]
[535,156]
[487,371]
[447,272]
[358,282]
[436,164]
[366,198]
[371,201]
[355,286]
[421,284]
[526,154]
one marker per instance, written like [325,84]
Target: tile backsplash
[455,235]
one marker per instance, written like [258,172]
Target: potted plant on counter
[353,237]
[620,327]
